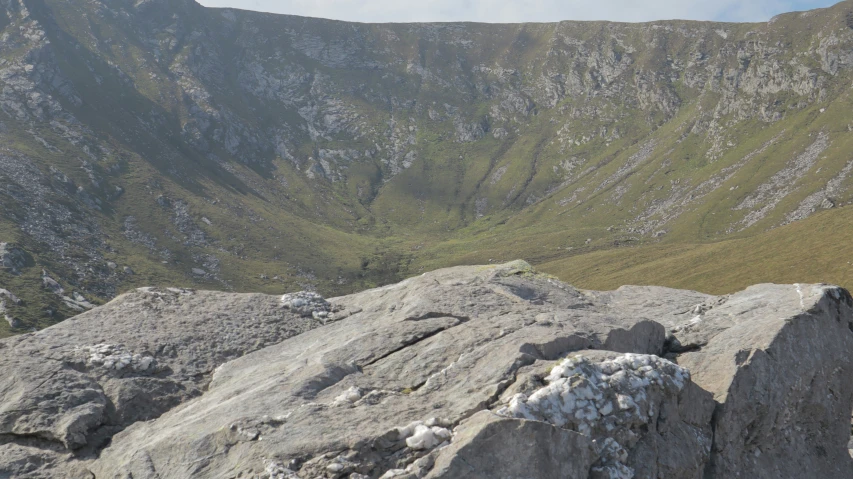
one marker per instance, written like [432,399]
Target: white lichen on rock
[421,435]
[116,358]
[608,401]
[612,465]
[425,437]
[307,304]
[349,396]
[276,470]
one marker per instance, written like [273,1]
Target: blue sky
[527,10]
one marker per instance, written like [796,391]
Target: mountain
[471,372]
[154,142]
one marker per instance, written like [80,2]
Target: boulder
[777,359]
[11,297]
[643,413]
[24,460]
[466,372]
[72,386]
[52,402]
[13,322]
[51,284]
[13,258]
[487,446]
[443,345]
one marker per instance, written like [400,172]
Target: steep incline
[160,142]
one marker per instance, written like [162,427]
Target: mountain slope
[816,249]
[161,142]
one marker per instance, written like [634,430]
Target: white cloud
[504,11]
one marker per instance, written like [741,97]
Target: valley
[162,143]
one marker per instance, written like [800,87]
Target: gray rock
[307,303]
[488,446]
[645,416]
[79,382]
[10,296]
[38,462]
[777,360]
[51,284]
[445,344]
[13,258]
[13,322]
[198,384]
[53,403]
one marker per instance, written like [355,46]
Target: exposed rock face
[636,403]
[13,258]
[488,446]
[468,372]
[754,357]
[141,355]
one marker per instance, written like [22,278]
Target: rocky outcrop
[13,258]
[71,387]
[477,372]
[780,377]
[488,446]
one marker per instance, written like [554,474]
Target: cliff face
[152,142]
[469,372]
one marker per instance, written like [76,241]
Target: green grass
[816,250]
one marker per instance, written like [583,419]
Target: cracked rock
[406,384]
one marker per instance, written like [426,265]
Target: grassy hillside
[164,143]
[816,250]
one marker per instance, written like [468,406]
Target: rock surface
[467,372]
[13,258]
[489,446]
[72,387]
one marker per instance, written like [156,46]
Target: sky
[509,11]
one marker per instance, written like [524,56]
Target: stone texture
[13,258]
[777,360]
[646,418]
[34,462]
[489,446]
[477,371]
[79,382]
[445,344]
